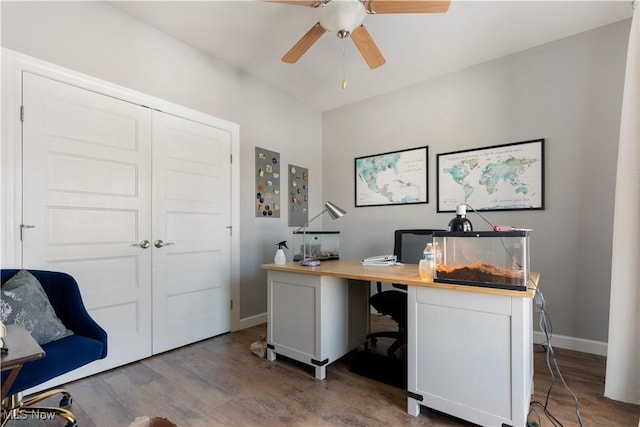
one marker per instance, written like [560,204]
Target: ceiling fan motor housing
[342,16]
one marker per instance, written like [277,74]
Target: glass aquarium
[322,245]
[485,258]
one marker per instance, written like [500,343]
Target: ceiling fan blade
[304,44]
[367,47]
[407,6]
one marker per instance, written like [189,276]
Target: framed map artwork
[394,178]
[500,177]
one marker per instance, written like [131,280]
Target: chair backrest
[61,289]
[65,298]
[409,244]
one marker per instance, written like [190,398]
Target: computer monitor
[409,244]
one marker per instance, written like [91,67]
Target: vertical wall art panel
[298,196]
[267,183]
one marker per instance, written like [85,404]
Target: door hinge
[230,304]
[230,158]
[22,113]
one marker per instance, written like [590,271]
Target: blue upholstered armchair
[87,344]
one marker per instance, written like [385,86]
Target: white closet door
[191,215]
[87,195]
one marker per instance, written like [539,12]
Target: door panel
[90,194]
[87,192]
[192,212]
[67,168]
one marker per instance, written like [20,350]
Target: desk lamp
[335,213]
[461,222]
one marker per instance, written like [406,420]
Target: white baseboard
[570,343]
[248,322]
[558,341]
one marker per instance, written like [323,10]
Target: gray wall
[568,92]
[101,41]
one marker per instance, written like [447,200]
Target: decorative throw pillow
[25,302]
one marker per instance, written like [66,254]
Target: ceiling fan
[344,17]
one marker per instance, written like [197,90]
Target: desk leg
[8,382]
[413,408]
[321,372]
[271,355]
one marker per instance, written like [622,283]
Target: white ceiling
[254,35]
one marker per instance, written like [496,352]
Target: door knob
[144,244]
[160,244]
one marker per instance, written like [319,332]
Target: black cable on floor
[546,328]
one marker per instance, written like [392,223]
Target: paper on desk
[381,263]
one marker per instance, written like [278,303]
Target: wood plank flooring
[219,382]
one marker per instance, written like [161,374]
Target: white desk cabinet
[470,355]
[470,349]
[315,319]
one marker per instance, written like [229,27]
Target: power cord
[493,227]
[480,215]
[546,328]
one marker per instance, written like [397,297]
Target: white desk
[470,349]
[315,319]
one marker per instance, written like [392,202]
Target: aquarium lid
[494,234]
[316,232]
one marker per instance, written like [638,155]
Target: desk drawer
[476,301]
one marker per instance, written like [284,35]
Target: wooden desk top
[406,274]
[22,347]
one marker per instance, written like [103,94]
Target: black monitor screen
[409,244]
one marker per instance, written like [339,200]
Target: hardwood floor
[219,382]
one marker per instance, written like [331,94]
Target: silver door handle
[144,244]
[24,227]
[160,244]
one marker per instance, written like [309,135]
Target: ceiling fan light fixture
[340,16]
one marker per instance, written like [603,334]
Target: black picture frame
[392,178]
[506,177]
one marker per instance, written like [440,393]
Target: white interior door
[87,195]
[192,238]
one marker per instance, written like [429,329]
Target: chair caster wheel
[71,424]
[66,402]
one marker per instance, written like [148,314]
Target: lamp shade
[334,211]
[342,15]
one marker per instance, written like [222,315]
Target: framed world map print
[500,177]
[394,178]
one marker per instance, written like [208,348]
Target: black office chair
[408,246]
